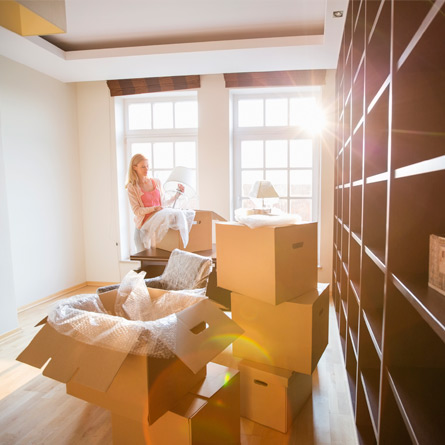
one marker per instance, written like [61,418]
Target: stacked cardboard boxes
[153,400]
[284,312]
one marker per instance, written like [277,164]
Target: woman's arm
[167,202]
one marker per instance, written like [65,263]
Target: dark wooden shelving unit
[389,197]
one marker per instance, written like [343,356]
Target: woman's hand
[157,208]
[179,190]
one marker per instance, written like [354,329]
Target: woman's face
[141,169]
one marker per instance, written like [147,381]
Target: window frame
[152,136]
[266,133]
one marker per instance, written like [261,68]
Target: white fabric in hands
[157,226]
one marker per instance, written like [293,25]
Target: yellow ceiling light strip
[23,21]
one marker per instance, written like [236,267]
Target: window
[164,128]
[276,139]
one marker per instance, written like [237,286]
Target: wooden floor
[36,410]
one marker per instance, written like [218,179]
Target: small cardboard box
[291,335]
[270,264]
[209,414]
[272,396]
[200,236]
[134,386]
[436,273]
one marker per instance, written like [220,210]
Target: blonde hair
[132,177]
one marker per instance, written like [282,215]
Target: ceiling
[116,39]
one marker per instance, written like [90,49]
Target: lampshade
[180,175]
[263,189]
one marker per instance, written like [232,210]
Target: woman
[144,194]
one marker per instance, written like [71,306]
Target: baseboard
[7,334]
[99,283]
[52,297]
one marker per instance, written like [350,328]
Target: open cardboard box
[291,335]
[271,264]
[200,236]
[208,414]
[133,386]
[272,396]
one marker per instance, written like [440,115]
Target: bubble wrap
[147,325]
[275,219]
[157,226]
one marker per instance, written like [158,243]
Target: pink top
[151,199]
[139,209]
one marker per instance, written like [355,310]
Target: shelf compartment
[418,98]
[342,326]
[351,370]
[347,122]
[369,370]
[376,136]
[353,320]
[346,165]
[365,430]
[408,18]
[337,297]
[355,264]
[344,286]
[392,426]
[344,245]
[356,210]
[372,292]
[378,52]
[357,99]
[416,212]
[415,358]
[346,195]
[373,9]
[420,398]
[410,340]
[357,155]
[429,303]
[374,217]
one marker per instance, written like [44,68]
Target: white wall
[8,311]
[42,183]
[98,176]
[213,145]
[327,161]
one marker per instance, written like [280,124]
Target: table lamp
[262,190]
[180,176]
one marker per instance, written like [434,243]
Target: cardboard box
[291,335]
[135,386]
[200,236]
[272,396]
[209,414]
[270,264]
[436,273]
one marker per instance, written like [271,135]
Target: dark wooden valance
[275,78]
[123,87]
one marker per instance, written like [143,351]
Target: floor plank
[36,410]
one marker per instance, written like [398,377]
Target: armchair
[184,271]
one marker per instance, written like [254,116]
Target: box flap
[69,359]
[266,373]
[217,377]
[189,406]
[215,216]
[195,348]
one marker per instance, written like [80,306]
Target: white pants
[138,240]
